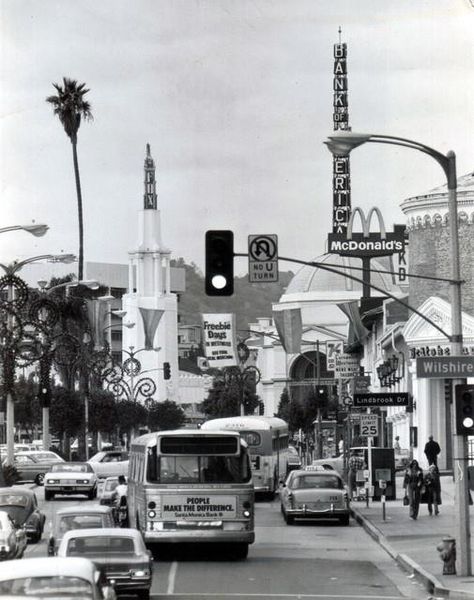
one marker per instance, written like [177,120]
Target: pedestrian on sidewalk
[432,450]
[396,445]
[432,485]
[412,483]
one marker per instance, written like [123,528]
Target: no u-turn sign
[263,258]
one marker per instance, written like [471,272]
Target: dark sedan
[121,554]
[22,506]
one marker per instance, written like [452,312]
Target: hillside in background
[250,300]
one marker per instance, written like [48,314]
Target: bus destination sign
[388,399]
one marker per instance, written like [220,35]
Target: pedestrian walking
[432,450]
[432,485]
[412,484]
[396,445]
[355,463]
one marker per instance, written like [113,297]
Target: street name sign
[388,399]
[346,365]
[263,258]
[369,425]
[445,367]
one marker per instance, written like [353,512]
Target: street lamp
[35,229]
[341,145]
[17,295]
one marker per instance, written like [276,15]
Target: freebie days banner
[219,339]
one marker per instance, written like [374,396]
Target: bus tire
[240,551]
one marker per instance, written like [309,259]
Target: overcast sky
[235,98]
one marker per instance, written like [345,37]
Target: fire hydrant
[447,553]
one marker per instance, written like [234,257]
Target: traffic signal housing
[465,409]
[166,370]
[219,280]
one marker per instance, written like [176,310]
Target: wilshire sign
[445,367]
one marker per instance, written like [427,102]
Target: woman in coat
[412,483]
[433,489]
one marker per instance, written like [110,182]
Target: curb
[429,581]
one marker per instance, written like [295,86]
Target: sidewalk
[413,543]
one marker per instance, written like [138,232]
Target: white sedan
[109,463]
[70,478]
[312,494]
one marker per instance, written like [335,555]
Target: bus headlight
[247,514]
[151,514]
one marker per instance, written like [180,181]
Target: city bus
[267,440]
[188,486]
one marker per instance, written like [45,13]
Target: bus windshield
[198,469]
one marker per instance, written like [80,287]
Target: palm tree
[70,106]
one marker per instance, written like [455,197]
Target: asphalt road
[306,560]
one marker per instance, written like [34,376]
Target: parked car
[120,553]
[62,578]
[335,463]
[110,463]
[30,468]
[314,494]
[106,490]
[70,478]
[12,538]
[294,460]
[43,455]
[79,516]
[22,506]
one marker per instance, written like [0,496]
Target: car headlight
[82,481]
[52,481]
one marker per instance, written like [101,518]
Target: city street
[307,560]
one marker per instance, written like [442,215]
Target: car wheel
[344,520]
[39,479]
[48,495]
[143,594]
[240,551]
[36,537]
[91,495]
[289,519]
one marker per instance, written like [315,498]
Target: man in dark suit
[432,450]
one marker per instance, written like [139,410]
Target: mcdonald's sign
[367,243]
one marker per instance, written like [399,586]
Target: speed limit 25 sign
[369,425]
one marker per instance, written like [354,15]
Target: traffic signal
[465,409]
[166,370]
[219,263]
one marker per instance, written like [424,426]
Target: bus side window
[152,465]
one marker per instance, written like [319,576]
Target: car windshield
[100,545]
[13,500]
[316,482]
[68,522]
[71,467]
[49,587]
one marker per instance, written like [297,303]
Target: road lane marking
[267,595]
[172,577]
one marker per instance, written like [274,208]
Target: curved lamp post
[36,229]
[341,145]
[14,334]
